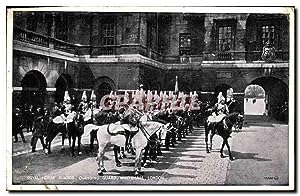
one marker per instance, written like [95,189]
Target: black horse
[223,129]
[73,130]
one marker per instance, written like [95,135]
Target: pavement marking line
[171,167]
[56,143]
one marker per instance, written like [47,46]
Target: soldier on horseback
[83,105]
[67,106]
[219,111]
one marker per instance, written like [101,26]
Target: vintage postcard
[150,98]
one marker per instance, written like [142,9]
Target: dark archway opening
[276,97]
[63,83]
[103,89]
[33,89]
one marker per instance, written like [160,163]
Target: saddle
[62,119]
[216,120]
[127,131]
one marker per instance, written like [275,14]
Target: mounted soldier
[219,111]
[68,107]
[83,105]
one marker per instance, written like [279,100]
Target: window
[149,34]
[268,35]
[184,44]
[224,34]
[62,27]
[31,22]
[108,34]
[224,38]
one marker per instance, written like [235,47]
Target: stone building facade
[76,51]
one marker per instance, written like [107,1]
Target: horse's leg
[92,138]
[206,137]
[211,139]
[63,141]
[146,151]
[69,137]
[100,161]
[212,133]
[73,144]
[79,143]
[167,141]
[229,151]
[137,165]
[49,139]
[116,153]
[222,147]
[122,152]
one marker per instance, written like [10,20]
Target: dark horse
[73,129]
[223,129]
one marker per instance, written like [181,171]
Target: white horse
[115,134]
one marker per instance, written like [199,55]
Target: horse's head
[237,119]
[132,117]
[240,121]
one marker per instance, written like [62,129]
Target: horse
[223,129]
[70,126]
[98,117]
[114,134]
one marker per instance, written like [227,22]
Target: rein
[146,134]
[114,134]
[229,122]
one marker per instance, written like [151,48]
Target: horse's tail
[89,128]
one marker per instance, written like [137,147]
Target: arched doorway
[33,89]
[254,100]
[63,83]
[103,89]
[276,96]
[103,86]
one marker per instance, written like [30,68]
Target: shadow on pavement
[240,155]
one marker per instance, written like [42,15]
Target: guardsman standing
[17,125]
[38,131]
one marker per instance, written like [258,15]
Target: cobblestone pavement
[187,163]
[260,151]
[261,155]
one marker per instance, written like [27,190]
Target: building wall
[131,29]
[79,29]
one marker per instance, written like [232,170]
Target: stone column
[52,30]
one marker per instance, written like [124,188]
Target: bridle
[146,134]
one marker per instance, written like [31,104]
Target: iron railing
[94,51]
